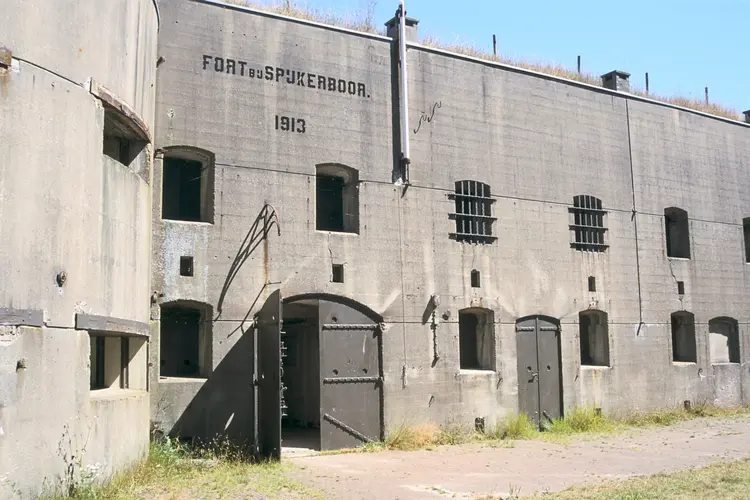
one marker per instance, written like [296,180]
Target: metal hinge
[351,380]
[344,326]
[348,429]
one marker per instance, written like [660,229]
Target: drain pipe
[405,161]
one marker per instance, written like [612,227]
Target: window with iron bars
[588,224]
[473,214]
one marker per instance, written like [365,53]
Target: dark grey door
[539,379]
[350,372]
[268,377]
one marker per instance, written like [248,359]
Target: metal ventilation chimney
[616,80]
[412,28]
[401,29]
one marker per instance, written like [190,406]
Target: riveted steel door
[268,377]
[350,374]
[538,359]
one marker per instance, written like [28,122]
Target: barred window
[588,224]
[473,214]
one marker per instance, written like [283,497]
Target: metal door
[350,374]
[268,385]
[538,358]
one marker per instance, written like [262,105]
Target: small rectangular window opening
[677,232]
[186,266]
[592,284]
[479,425]
[337,199]
[109,359]
[120,140]
[337,273]
[681,287]
[683,337]
[124,362]
[475,279]
[185,341]
[330,201]
[97,362]
[724,340]
[594,338]
[182,184]
[476,339]
[746,233]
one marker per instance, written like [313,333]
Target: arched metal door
[539,369]
[351,379]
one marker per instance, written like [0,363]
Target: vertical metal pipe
[494,45]
[646,82]
[579,65]
[404,93]
[706,96]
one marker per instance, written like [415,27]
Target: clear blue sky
[684,45]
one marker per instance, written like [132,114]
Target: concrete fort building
[218,221]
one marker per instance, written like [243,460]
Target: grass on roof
[364,20]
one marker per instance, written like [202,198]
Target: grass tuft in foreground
[583,420]
[215,470]
[726,481]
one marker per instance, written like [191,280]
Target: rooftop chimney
[747,116]
[412,32]
[616,80]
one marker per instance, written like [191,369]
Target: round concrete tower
[76,120]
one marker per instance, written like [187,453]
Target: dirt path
[468,471]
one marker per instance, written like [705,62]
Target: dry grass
[581,421]
[174,471]
[429,436]
[727,481]
[364,21]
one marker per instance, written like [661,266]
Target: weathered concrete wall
[113,42]
[68,208]
[228,114]
[700,165]
[537,141]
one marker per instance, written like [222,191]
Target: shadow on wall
[225,403]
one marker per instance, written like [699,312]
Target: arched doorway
[328,374]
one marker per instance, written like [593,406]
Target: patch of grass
[583,420]
[364,21]
[513,427]
[660,418]
[407,438]
[216,470]
[455,433]
[729,480]
[519,427]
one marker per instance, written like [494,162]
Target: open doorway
[300,424]
[331,375]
